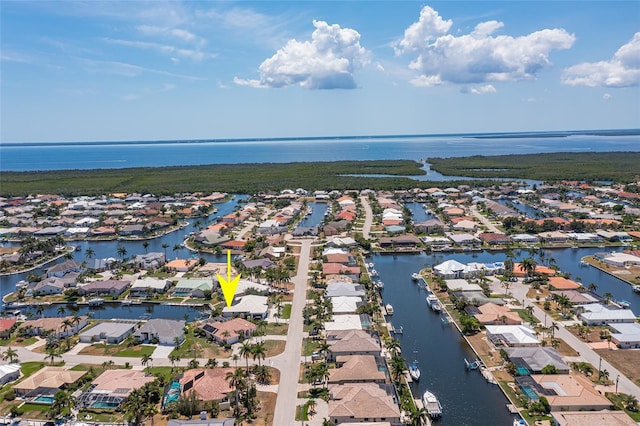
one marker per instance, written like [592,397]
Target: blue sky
[133,70]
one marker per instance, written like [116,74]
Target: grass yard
[274,347]
[309,346]
[102,349]
[286,311]
[276,329]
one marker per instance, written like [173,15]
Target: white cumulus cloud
[477,57]
[480,90]
[623,70]
[328,61]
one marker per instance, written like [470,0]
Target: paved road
[486,222]
[625,385]
[289,361]
[368,218]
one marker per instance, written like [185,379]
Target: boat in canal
[636,289]
[434,303]
[414,371]
[431,404]
[415,276]
[96,302]
[389,309]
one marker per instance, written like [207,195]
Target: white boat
[373,273]
[415,276]
[636,288]
[414,371]
[434,303]
[431,404]
[389,309]
[96,302]
[623,304]
[126,302]
[379,284]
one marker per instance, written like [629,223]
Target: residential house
[492,238]
[345,322]
[598,314]
[56,326]
[362,402]
[165,332]
[149,286]
[104,288]
[584,418]
[356,369]
[566,392]
[110,332]
[152,260]
[61,269]
[249,306]
[6,327]
[491,313]
[534,359]
[345,304]
[262,263]
[228,331]
[430,226]
[561,283]
[193,287]
[181,265]
[9,373]
[352,342]
[112,388]
[512,335]
[208,385]
[407,242]
[626,335]
[341,288]
[47,382]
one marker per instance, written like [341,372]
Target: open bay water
[112,155]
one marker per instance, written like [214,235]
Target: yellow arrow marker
[229,285]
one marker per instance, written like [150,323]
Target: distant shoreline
[480,135]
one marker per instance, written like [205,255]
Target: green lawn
[526,317]
[276,329]
[136,351]
[309,346]
[28,368]
[286,311]
[616,400]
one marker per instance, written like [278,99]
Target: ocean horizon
[34,156]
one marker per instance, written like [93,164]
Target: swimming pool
[102,404]
[529,393]
[44,399]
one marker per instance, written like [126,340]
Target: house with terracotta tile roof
[490,313]
[112,388]
[229,331]
[561,283]
[208,385]
[47,381]
[540,269]
[356,369]
[181,265]
[568,392]
[361,402]
[6,327]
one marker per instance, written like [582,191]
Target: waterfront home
[598,314]
[181,265]
[362,402]
[9,373]
[352,272]
[561,283]
[525,238]
[228,331]
[148,286]
[408,242]
[352,342]
[110,332]
[620,236]
[492,238]
[621,260]
[55,326]
[512,335]
[193,287]
[104,288]
[565,392]
[464,239]
[626,335]
[46,382]
[50,231]
[576,297]
[249,306]
[165,332]
[341,242]
[534,359]
[583,418]
[430,226]
[491,314]
[345,304]
[112,388]
[540,270]
[343,288]
[61,269]
[335,227]
[48,286]
[132,230]
[208,385]
[151,260]
[342,257]
[7,326]
[356,369]
[234,245]
[344,322]
[557,237]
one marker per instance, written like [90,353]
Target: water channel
[466,397]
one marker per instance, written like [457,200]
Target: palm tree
[146,359]
[89,253]
[263,375]
[554,327]
[259,351]
[10,355]
[417,416]
[52,354]
[165,246]
[528,265]
[174,358]
[607,297]
[122,251]
[245,351]
[311,405]
[40,310]
[592,287]
[237,382]
[145,245]
[61,311]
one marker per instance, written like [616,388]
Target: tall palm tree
[236,379]
[146,359]
[246,349]
[10,355]
[89,253]
[528,265]
[122,251]
[165,246]
[145,245]
[61,311]
[259,351]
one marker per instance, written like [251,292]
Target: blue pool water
[530,393]
[44,399]
[100,404]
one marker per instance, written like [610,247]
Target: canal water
[466,398]
[317,214]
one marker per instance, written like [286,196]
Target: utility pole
[617,379]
